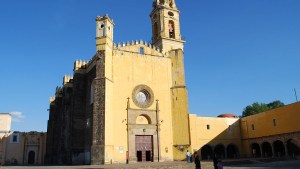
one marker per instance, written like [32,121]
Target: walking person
[215,160]
[220,164]
[188,156]
[197,161]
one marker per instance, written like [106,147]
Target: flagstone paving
[173,165]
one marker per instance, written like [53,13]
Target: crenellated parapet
[52,99]
[137,42]
[79,64]
[67,79]
[58,92]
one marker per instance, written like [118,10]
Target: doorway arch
[293,148]
[279,148]
[267,149]
[31,157]
[220,151]
[232,151]
[255,150]
[206,152]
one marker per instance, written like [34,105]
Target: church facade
[128,103]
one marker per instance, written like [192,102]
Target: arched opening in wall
[171,3]
[267,149]
[171,29]
[143,119]
[232,151]
[206,152]
[255,150]
[220,151]
[31,157]
[279,148]
[293,147]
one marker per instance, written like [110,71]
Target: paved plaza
[168,165]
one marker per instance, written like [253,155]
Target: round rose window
[142,96]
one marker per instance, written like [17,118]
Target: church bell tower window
[171,30]
[171,3]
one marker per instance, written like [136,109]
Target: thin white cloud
[17,116]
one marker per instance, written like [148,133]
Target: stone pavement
[173,165]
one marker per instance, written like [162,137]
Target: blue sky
[237,52]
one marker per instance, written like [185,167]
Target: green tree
[261,107]
[275,104]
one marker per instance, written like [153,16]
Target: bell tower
[166,36]
[104,33]
[166,25]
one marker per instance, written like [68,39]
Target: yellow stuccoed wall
[219,132]
[128,69]
[180,110]
[287,121]
[32,141]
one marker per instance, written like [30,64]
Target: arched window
[171,3]
[171,29]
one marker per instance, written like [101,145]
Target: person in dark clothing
[215,160]
[197,161]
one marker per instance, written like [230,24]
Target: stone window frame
[274,122]
[142,50]
[149,96]
[15,135]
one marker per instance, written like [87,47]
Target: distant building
[23,148]
[5,123]
[274,133]
[20,148]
